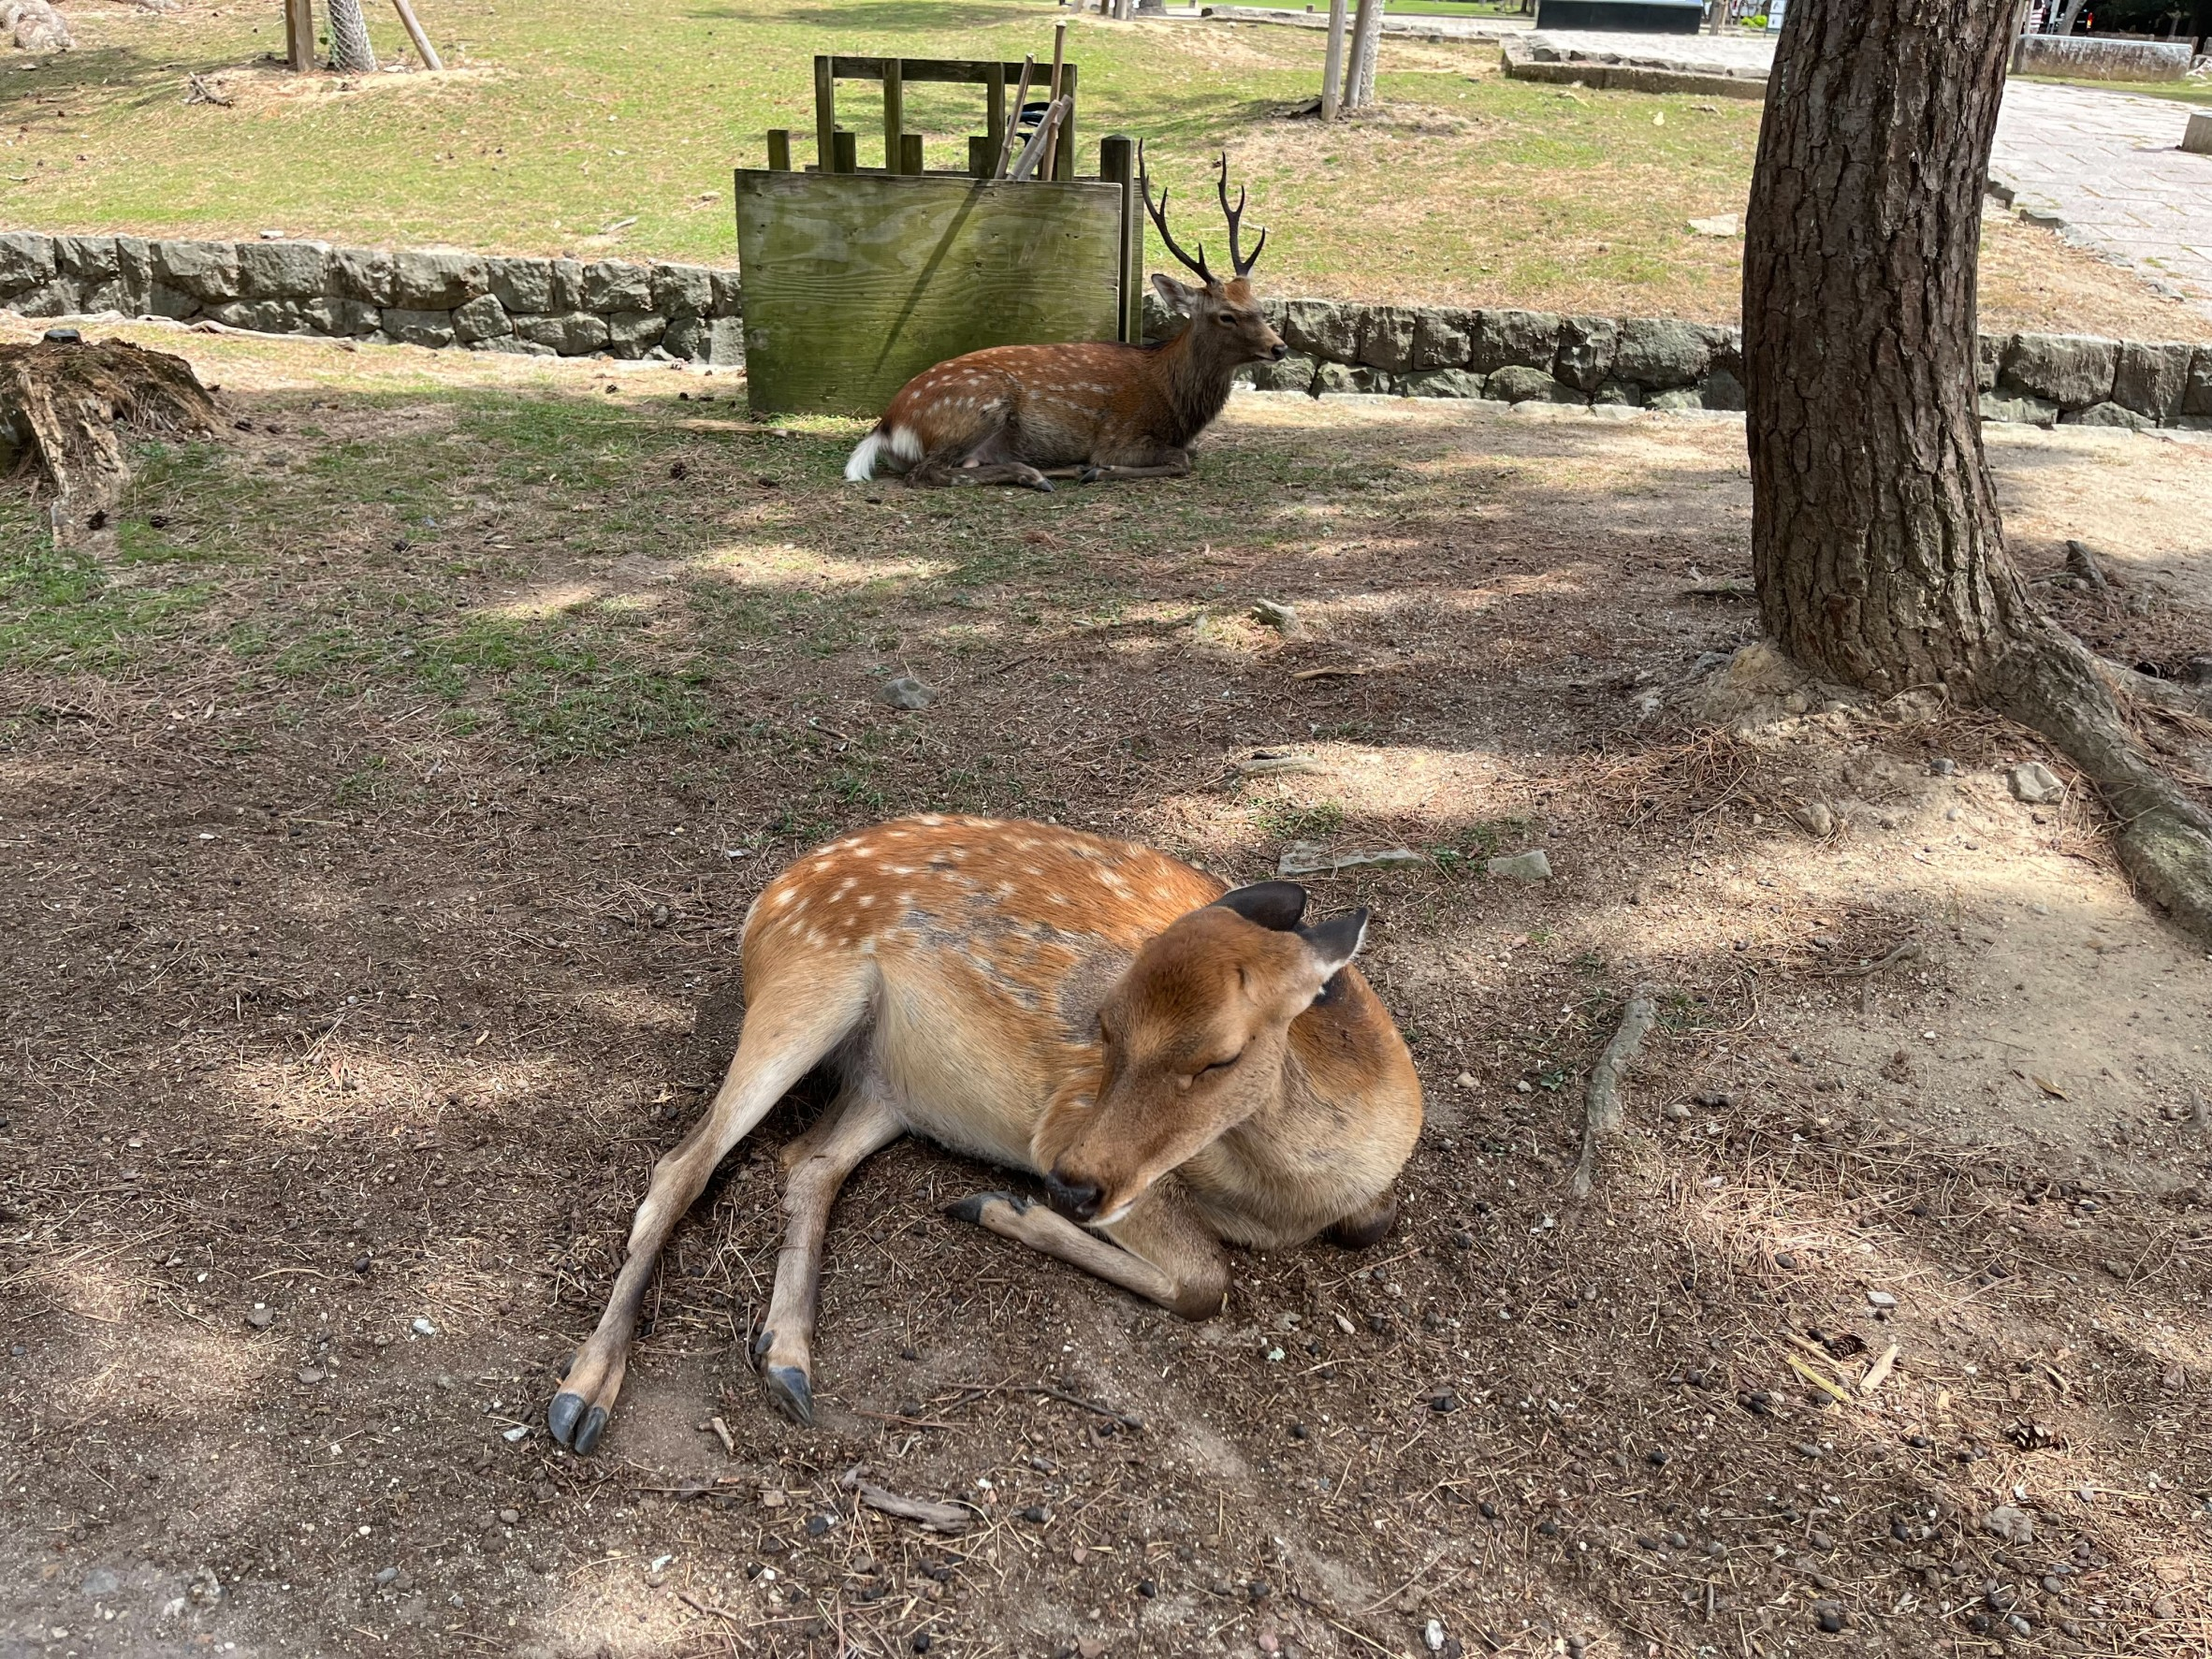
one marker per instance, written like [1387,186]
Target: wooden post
[423,48]
[826,117]
[1359,76]
[895,113]
[910,152]
[994,113]
[982,152]
[1117,164]
[1332,65]
[779,149]
[845,147]
[1064,156]
[299,34]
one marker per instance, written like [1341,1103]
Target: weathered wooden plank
[960,71]
[910,152]
[854,284]
[826,115]
[894,115]
[779,149]
[1118,166]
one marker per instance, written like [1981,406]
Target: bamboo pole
[1014,116]
[423,48]
[1332,66]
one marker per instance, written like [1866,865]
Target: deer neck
[1196,373]
[1340,1123]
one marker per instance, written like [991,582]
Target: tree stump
[73,405]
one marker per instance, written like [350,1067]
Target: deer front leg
[1159,1251]
[861,1124]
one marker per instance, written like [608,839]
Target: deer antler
[1242,266]
[1159,219]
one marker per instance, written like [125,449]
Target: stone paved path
[2106,167]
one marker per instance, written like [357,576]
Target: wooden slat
[973,72]
[826,114]
[853,286]
[910,152]
[1064,156]
[895,113]
[1117,164]
[994,112]
[779,149]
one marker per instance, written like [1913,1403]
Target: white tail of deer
[1094,1013]
[1029,414]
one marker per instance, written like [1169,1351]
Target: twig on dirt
[1905,951]
[1337,673]
[1601,1117]
[1122,1417]
[1817,1380]
[938,1517]
[721,1433]
[199,89]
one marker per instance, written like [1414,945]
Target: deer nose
[1282,350]
[1076,1200]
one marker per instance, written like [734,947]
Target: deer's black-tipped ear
[1274,904]
[1177,296]
[1336,941]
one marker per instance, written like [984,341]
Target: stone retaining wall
[1517,356]
[2083,57]
[412,295]
[435,297]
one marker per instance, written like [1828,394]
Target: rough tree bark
[350,51]
[1876,543]
[72,405]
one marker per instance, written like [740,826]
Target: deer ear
[1274,905]
[1336,941]
[1175,296]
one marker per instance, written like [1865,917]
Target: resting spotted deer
[1027,414]
[1181,1066]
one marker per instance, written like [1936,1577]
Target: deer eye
[1221,1065]
[1226,320]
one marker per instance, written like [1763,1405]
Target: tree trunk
[1359,73]
[1876,543]
[350,51]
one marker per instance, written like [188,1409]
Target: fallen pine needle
[1815,1378]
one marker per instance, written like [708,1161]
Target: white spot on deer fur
[783,898]
[865,900]
[867,946]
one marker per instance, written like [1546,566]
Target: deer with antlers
[1028,414]
[1181,1068]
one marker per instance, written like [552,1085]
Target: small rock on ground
[2010,1522]
[2033,782]
[906,692]
[1274,614]
[1532,866]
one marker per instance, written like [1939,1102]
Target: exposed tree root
[2054,684]
[74,403]
[1602,1115]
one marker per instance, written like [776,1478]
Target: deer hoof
[791,1393]
[1042,485]
[1091,475]
[970,1209]
[573,1424]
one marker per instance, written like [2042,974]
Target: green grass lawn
[564,129]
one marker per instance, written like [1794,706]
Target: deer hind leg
[1159,1251]
[987,460]
[787,1031]
[861,1124]
[1164,463]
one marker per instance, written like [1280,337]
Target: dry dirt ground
[379,814]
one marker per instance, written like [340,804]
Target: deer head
[1225,318]
[1194,1041]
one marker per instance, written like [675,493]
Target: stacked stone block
[1518,356]
[427,297]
